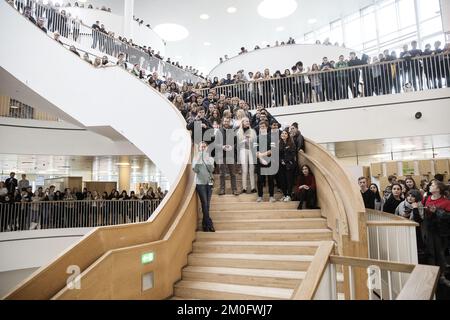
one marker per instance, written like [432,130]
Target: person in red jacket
[437,226]
[305,188]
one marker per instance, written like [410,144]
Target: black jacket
[221,140]
[287,156]
[369,199]
[391,204]
[191,125]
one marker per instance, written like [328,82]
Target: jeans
[205,192]
[286,178]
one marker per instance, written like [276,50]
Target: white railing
[431,71]
[55,20]
[21,216]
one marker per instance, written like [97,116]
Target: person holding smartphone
[203,166]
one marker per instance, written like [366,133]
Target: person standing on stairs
[225,139]
[246,137]
[287,164]
[367,195]
[264,157]
[203,166]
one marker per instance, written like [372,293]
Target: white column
[128,12]
[445,15]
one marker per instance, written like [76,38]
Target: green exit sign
[147,257]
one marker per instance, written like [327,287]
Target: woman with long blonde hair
[246,137]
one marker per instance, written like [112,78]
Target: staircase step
[270,224]
[221,291]
[248,260]
[256,247]
[243,197]
[253,277]
[252,205]
[267,235]
[264,214]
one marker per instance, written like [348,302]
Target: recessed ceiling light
[312,20]
[280,28]
[207,44]
[277,9]
[171,31]
[231,10]
[204,16]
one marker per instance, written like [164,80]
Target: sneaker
[259,199]
[236,193]
[287,199]
[254,191]
[282,198]
[211,229]
[222,192]
[272,199]
[244,191]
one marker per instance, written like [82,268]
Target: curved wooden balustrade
[50,279]
[118,273]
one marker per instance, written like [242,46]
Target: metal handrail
[20,216]
[380,78]
[75,30]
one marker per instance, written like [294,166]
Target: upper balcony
[277,58]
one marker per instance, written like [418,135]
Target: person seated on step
[264,148]
[305,188]
[225,139]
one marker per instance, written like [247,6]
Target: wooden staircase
[259,250]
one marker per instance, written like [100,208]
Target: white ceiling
[228,32]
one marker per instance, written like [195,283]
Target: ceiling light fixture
[204,16]
[276,9]
[171,31]
[231,10]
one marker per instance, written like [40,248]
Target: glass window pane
[431,26]
[387,19]
[406,13]
[352,29]
[368,24]
[336,34]
[428,9]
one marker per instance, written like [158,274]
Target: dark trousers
[231,169]
[204,191]
[261,182]
[286,179]
[308,196]
[436,246]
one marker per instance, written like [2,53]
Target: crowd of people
[52,18]
[428,204]
[13,190]
[387,73]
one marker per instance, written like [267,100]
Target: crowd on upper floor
[20,191]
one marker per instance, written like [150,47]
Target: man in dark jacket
[11,183]
[354,74]
[199,122]
[225,139]
[297,137]
[367,195]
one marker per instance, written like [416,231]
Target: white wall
[278,58]
[51,137]
[35,248]
[57,81]
[114,22]
[380,117]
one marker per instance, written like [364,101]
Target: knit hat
[416,194]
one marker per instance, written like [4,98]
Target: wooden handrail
[308,287]
[365,263]
[394,223]
[124,280]
[421,284]
[348,191]
[51,278]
